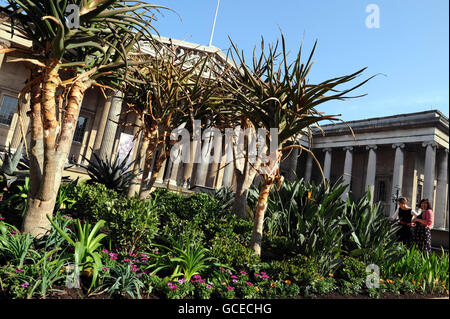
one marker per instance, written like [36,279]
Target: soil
[73,293]
[387,295]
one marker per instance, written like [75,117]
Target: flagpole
[214,23]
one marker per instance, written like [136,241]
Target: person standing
[424,222]
[405,214]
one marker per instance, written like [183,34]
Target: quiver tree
[169,92]
[275,94]
[65,60]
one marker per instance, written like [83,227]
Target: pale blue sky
[411,46]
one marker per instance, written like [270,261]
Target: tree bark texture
[50,146]
[258,222]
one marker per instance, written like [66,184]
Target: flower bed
[193,248]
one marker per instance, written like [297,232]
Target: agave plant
[225,196]
[121,279]
[11,164]
[114,174]
[92,53]
[15,246]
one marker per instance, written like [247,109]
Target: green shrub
[277,248]
[91,200]
[351,270]
[232,253]
[300,270]
[131,223]
[324,286]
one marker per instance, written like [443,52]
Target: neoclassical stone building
[401,155]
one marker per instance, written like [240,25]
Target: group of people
[415,228]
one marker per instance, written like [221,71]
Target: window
[381,191]
[80,129]
[7,109]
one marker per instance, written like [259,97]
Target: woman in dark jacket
[405,215]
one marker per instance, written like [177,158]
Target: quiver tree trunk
[50,146]
[258,221]
[243,182]
[135,184]
[153,173]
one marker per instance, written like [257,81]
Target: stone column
[308,168]
[228,170]
[429,170]
[203,166]
[327,163]
[22,122]
[347,175]
[397,179]
[104,112]
[188,174]
[292,164]
[371,171]
[173,174]
[160,178]
[109,134]
[440,208]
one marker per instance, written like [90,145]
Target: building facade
[401,155]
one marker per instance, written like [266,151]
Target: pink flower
[67,217]
[105,269]
[230,288]
[172,286]
[105,251]
[197,277]
[26,284]
[208,287]
[18,270]
[134,268]
[181,281]
[201,281]
[127,260]
[243,272]
[234,277]
[234,280]
[2,218]
[113,256]
[139,275]
[249,283]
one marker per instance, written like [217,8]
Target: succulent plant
[114,174]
